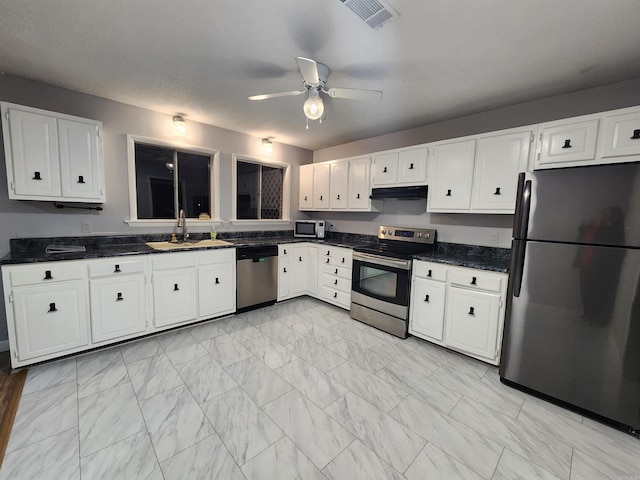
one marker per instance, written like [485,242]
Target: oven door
[381,278]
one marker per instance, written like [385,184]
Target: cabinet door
[359,183]
[298,267]
[216,289]
[50,319]
[283,278]
[413,166]
[174,296]
[621,135]
[472,322]
[567,143]
[321,182]
[117,307]
[452,176]
[385,169]
[34,159]
[80,160]
[339,185]
[305,201]
[427,309]
[498,161]
[311,271]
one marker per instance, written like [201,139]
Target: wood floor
[10,391]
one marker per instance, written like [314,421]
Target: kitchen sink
[187,245]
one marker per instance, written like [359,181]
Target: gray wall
[469,228]
[42,219]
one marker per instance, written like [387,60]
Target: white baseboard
[4,345]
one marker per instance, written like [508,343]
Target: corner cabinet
[297,270]
[459,308]
[51,156]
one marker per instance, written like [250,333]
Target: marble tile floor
[296,391]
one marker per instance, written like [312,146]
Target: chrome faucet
[182,222]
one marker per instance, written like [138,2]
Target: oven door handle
[387,262]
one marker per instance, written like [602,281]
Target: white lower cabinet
[459,308]
[174,296]
[334,275]
[216,289]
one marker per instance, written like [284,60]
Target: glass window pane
[271,206]
[154,182]
[248,176]
[194,193]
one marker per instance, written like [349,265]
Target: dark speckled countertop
[30,250]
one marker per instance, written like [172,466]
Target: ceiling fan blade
[265,96]
[308,70]
[354,93]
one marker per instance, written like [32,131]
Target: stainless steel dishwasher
[257,277]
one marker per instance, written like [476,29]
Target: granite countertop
[483,258]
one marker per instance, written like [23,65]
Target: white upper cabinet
[321,186]
[385,169]
[51,156]
[620,136]
[339,186]
[452,176]
[412,166]
[566,142]
[499,159]
[305,201]
[359,183]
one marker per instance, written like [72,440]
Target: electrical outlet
[86,227]
[494,239]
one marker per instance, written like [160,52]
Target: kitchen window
[166,178]
[260,190]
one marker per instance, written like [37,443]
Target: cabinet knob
[328,252]
[358,196]
[497,192]
[36,176]
[305,198]
[217,282]
[336,272]
[472,312]
[285,251]
[284,269]
[567,143]
[411,166]
[328,260]
[448,193]
[426,298]
[335,295]
[81,179]
[429,273]
[47,275]
[117,269]
[175,287]
[473,281]
[320,197]
[384,170]
[119,298]
[52,307]
[299,259]
[338,197]
[335,282]
[342,260]
[636,134]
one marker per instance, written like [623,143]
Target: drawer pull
[328,260]
[52,308]
[343,259]
[473,281]
[305,198]
[429,274]
[217,282]
[358,196]
[411,166]
[335,295]
[299,259]
[285,251]
[338,197]
[81,179]
[336,272]
[335,282]
[320,197]
[328,252]
[448,193]
[36,176]
[426,298]
[117,269]
[567,143]
[47,275]
[285,270]
[175,287]
[636,134]
[384,170]
[472,312]
[119,299]
[497,192]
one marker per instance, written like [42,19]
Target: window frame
[286,190]
[214,183]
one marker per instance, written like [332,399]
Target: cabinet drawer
[284,251]
[477,281]
[224,255]
[569,143]
[337,271]
[430,271]
[43,273]
[173,260]
[336,296]
[115,267]
[337,283]
[621,135]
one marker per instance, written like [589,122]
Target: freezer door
[598,205]
[573,327]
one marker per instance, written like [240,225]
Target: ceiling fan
[314,80]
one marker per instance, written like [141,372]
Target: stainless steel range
[381,280]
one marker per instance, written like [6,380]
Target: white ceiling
[440,59]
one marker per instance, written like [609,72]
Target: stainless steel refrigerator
[572,330]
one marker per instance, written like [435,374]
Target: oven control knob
[384,231]
[390,232]
[419,235]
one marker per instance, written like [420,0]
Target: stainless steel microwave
[308,228]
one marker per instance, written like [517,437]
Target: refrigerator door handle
[523,207]
[517,266]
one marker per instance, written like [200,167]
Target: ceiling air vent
[373,12]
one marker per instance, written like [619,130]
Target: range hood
[399,193]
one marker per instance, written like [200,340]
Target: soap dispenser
[213,233]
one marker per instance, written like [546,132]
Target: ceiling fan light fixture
[179,124]
[313,106]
